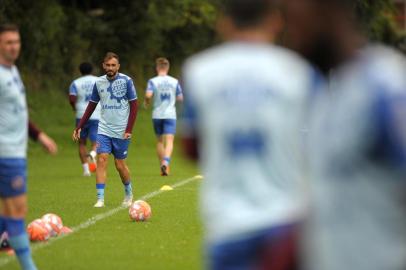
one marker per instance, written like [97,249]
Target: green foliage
[377,18]
[59,34]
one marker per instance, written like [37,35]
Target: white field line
[91,221]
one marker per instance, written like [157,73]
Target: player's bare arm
[72,101]
[148,99]
[47,142]
[179,98]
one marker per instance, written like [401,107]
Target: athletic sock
[93,154]
[128,189]
[166,161]
[18,240]
[100,191]
[86,167]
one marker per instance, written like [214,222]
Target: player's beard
[111,74]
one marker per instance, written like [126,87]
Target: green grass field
[171,239]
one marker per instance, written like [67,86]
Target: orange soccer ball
[92,167]
[139,211]
[53,223]
[37,230]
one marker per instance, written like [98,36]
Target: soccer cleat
[99,204]
[127,201]
[92,156]
[87,174]
[164,170]
[4,244]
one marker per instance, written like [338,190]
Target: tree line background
[58,35]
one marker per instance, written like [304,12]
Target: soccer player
[244,102]
[80,92]
[357,141]
[14,130]
[166,91]
[118,99]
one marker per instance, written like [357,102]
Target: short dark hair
[110,55]
[85,68]
[8,27]
[247,13]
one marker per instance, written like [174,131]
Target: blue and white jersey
[165,89]
[114,96]
[358,146]
[82,88]
[245,102]
[13,114]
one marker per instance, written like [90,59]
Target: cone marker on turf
[166,188]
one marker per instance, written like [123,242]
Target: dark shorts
[115,146]
[13,177]
[164,126]
[273,249]
[89,130]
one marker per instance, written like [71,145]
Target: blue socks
[18,240]
[167,160]
[128,189]
[100,191]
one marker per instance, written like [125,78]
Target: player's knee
[102,160]
[21,210]
[17,210]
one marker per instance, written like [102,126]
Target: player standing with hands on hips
[118,99]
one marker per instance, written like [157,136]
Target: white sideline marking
[96,218]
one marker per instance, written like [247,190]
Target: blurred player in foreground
[166,91]
[118,99]
[244,102]
[14,130]
[358,141]
[80,92]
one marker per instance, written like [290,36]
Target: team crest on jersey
[165,96]
[249,142]
[118,90]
